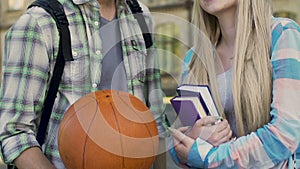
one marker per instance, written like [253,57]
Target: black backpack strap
[138,14]
[55,9]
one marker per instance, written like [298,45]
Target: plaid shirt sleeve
[153,83]
[273,145]
[23,86]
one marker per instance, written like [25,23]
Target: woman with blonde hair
[251,61]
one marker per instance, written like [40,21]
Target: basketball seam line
[118,126]
[86,137]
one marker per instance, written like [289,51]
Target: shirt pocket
[76,71]
[137,63]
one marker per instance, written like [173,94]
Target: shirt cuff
[173,152]
[12,147]
[198,152]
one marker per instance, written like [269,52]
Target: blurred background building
[172,33]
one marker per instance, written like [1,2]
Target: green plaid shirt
[29,57]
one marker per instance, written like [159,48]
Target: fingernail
[217,118]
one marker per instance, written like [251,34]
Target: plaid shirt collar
[121,5]
[79,2]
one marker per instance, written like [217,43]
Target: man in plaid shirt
[109,53]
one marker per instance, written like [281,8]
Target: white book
[205,93]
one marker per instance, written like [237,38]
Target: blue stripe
[276,33]
[298,155]
[194,158]
[291,25]
[188,57]
[211,151]
[186,62]
[222,155]
[286,68]
[276,151]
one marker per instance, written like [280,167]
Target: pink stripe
[286,98]
[286,101]
[240,151]
[285,22]
[288,53]
[289,143]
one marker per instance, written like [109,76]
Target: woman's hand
[182,144]
[212,130]
[209,128]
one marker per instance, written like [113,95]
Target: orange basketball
[108,129]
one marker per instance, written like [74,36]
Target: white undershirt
[224,81]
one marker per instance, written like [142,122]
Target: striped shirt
[276,145]
[31,48]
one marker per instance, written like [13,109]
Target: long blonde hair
[252,76]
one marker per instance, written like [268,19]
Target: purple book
[204,94]
[188,108]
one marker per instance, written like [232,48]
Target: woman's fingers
[220,138]
[208,120]
[221,133]
[179,136]
[182,152]
[182,144]
[214,133]
[184,129]
[225,131]
[204,127]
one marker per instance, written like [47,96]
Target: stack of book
[192,103]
